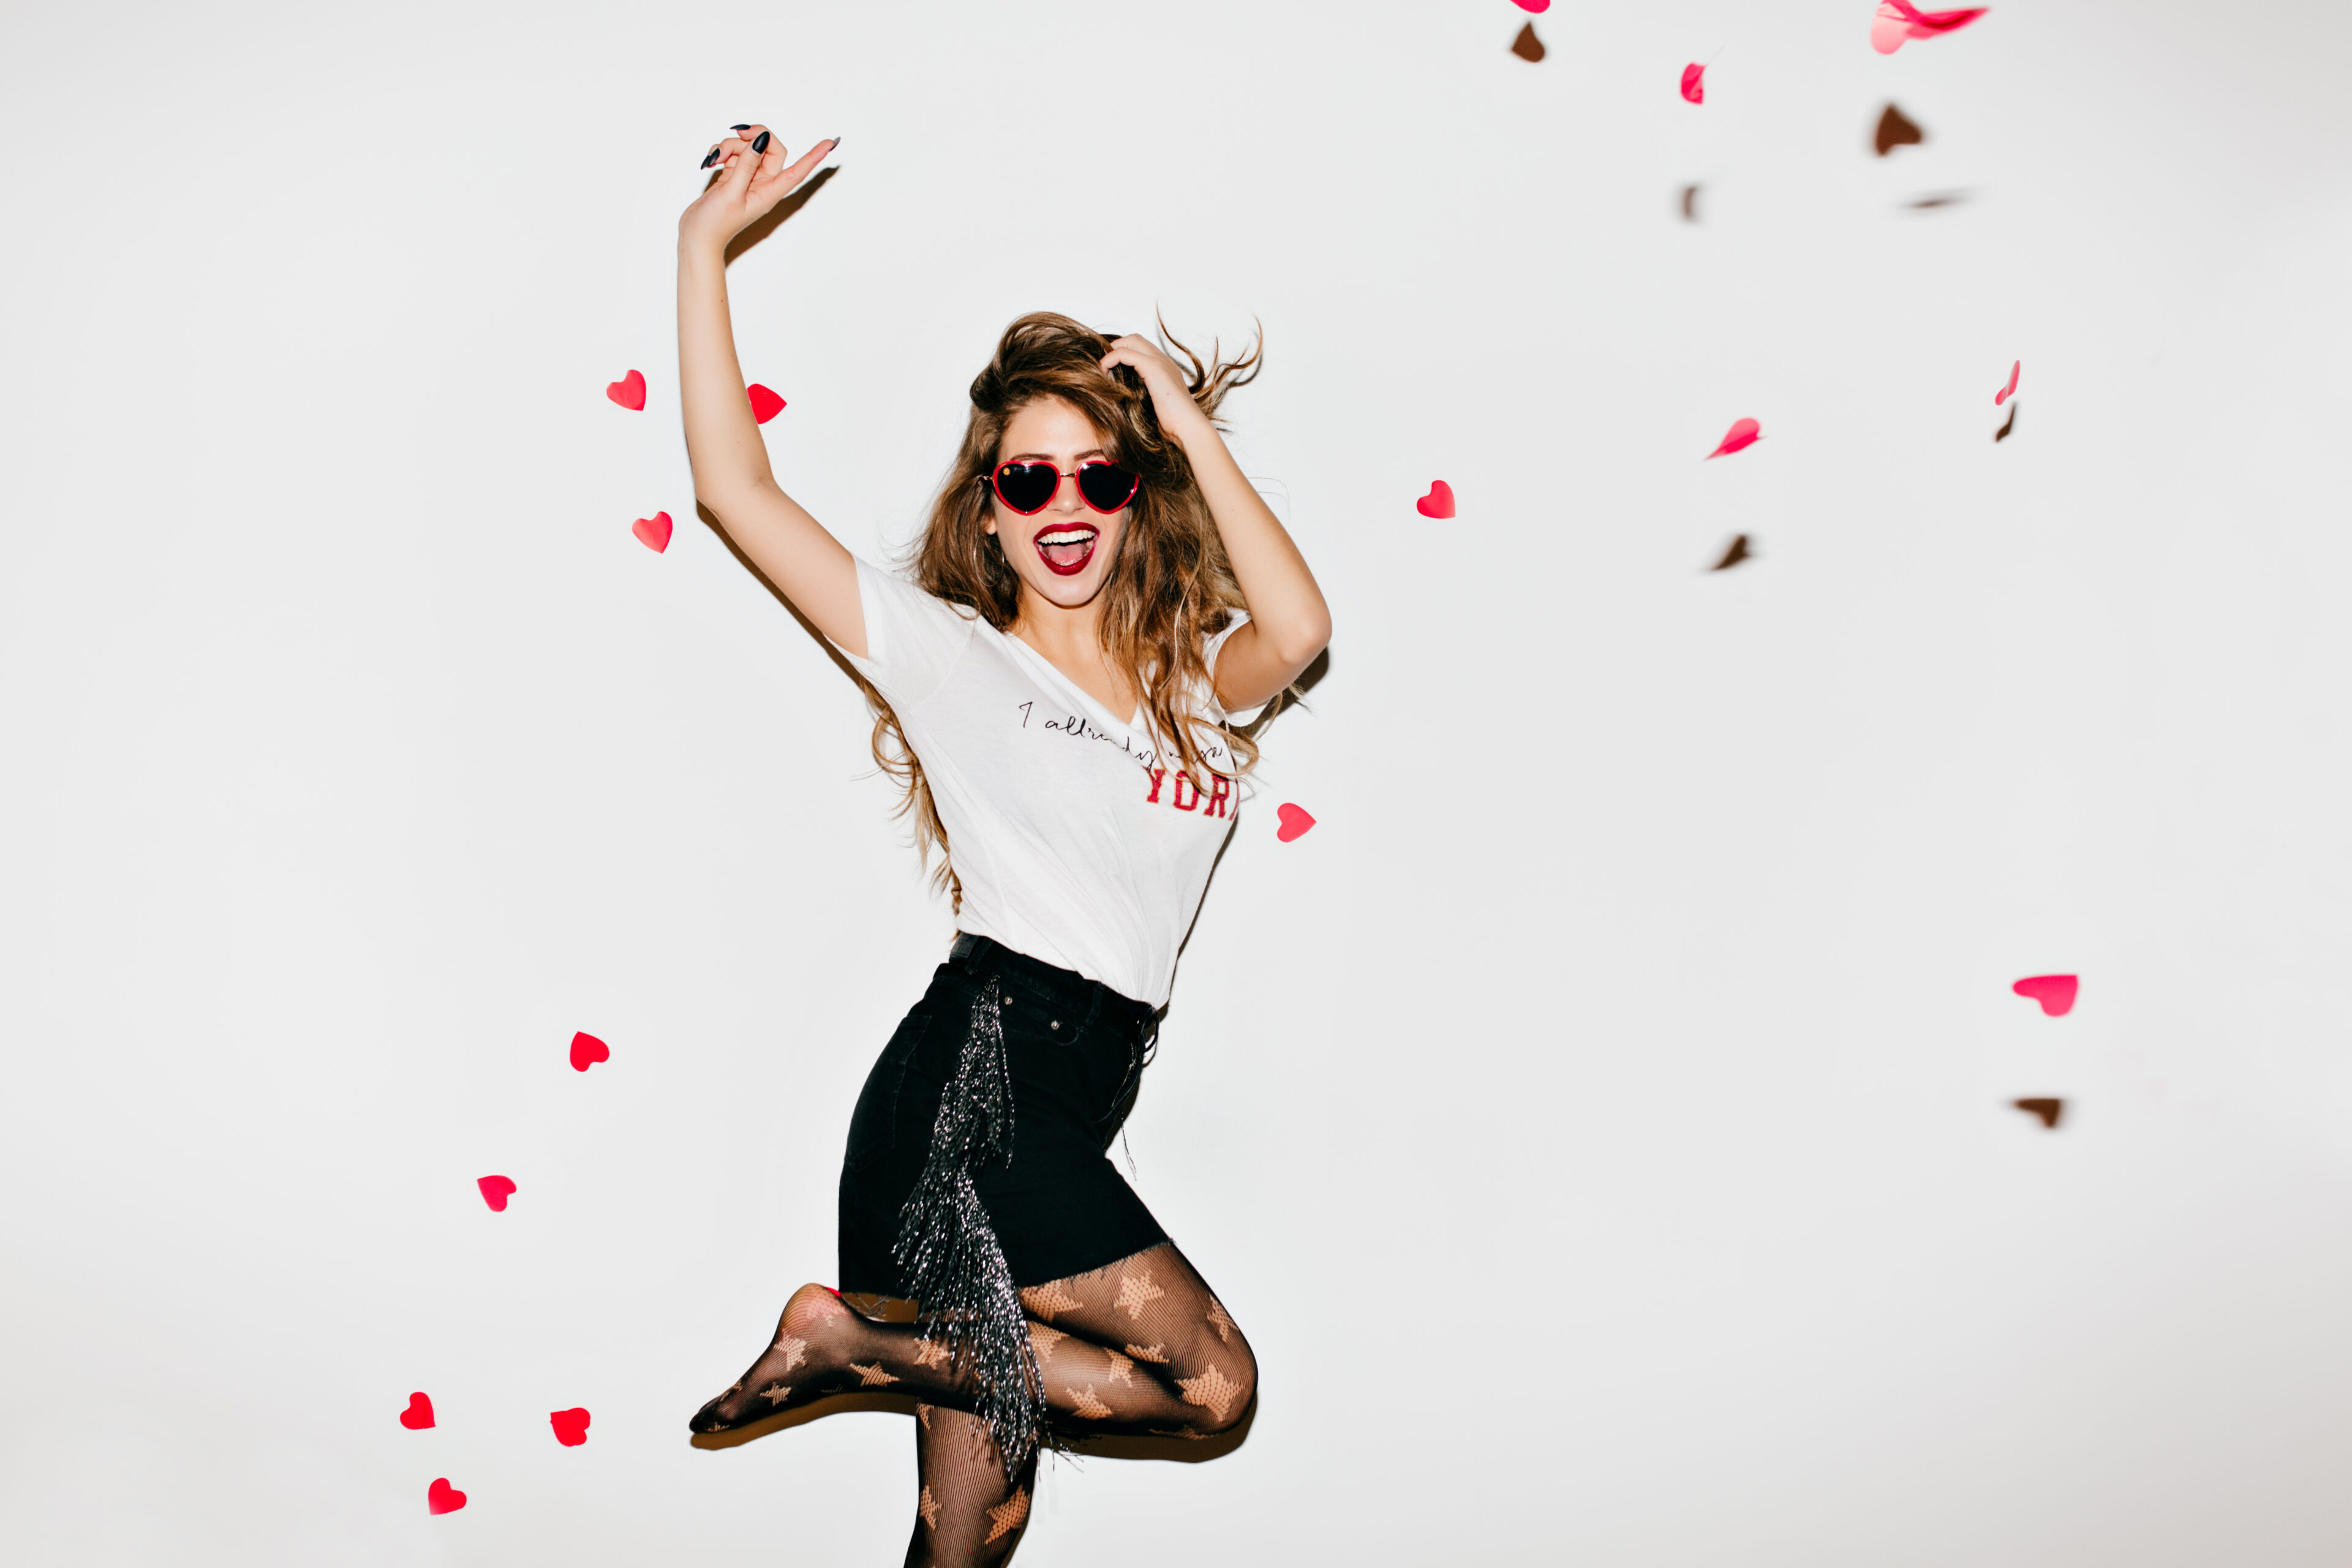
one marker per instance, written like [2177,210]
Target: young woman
[1057,688]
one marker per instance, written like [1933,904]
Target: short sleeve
[1209,647]
[913,640]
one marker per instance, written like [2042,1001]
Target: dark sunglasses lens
[1026,487]
[1106,486]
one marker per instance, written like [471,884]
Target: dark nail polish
[836,146]
[738,127]
[711,157]
[760,143]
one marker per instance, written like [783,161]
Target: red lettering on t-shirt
[1183,782]
[1221,789]
[1157,775]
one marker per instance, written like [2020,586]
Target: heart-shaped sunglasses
[1029,488]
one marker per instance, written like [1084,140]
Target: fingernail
[711,157]
[738,127]
[836,146]
[760,143]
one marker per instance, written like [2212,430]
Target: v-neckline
[1133,726]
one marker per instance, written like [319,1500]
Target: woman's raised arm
[732,476]
[1289,622]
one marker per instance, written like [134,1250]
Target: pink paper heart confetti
[1294,819]
[1438,502]
[1694,84]
[443,1498]
[1897,22]
[1743,433]
[1536,7]
[654,531]
[2055,992]
[2003,394]
[629,391]
[496,1191]
[419,1414]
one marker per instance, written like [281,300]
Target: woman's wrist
[1186,426]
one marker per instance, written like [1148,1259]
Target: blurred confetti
[1896,130]
[1737,552]
[1743,433]
[2055,992]
[2049,1111]
[1526,46]
[1898,22]
[1693,84]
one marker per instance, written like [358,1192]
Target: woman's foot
[816,1340]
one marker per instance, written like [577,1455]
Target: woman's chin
[1071,593]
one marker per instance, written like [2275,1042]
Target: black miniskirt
[1073,1051]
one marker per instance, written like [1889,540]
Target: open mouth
[1065,548]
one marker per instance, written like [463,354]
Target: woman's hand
[754,179]
[1171,395]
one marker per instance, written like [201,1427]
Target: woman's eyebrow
[1048,457]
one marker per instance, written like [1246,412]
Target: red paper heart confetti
[1438,502]
[1897,22]
[587,1050]
[653,532]
[1294,819]
[1693,84]
[2003,394]
[1536,6]
[629,391]
[419,1414]
[570,1425]
[2055,992]
[765,405]
[443,1498]
[1743,433]
[2049,1111]
[496,1191]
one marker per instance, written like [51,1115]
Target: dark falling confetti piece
[2011,424]
[1734,555]
[1526,46]
[1938,199]
[1896,130]
[2049,1111]
[1690,204]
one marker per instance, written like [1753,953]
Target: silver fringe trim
[954,1267]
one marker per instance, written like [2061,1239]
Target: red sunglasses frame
[994,474]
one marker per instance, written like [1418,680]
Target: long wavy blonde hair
[1170,586]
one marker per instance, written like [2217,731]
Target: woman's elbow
[1299,642]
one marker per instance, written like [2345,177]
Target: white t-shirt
[1076,842]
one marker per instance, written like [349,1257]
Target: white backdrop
[1600,1122]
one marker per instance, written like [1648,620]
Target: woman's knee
[1221,1385]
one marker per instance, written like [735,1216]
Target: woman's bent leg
[1140,1346]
